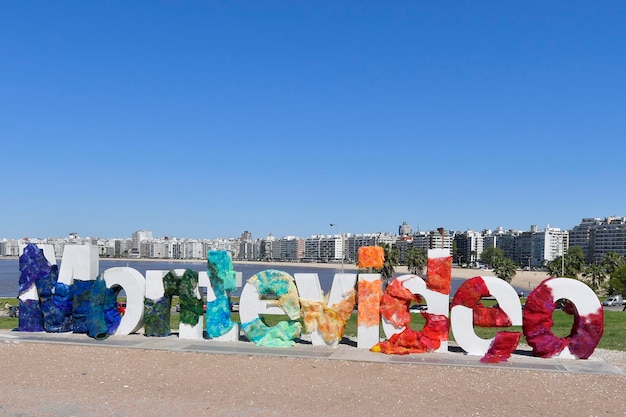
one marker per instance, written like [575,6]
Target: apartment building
[469,247]
[580,235]
[532,248]
[608,236]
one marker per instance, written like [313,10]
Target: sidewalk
[521,360]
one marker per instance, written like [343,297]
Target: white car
[614,300]
[418,308]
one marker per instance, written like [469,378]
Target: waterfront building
[138,237]
[421,240]
[440,239]
[291,248]
[608,236]
[507,243]
[554,243]
[194,249]
[580,235]
[267,248]
[469,247]
[405,229]
[160,249]
[536,247]
[532,248]
[246,251]
[354,242]
[323,248]
[312,248]
[403,244]
[9,247]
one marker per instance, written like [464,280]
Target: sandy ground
[66,380]
[523,279]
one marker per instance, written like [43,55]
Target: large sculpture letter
[38,275]
[79,270]
[467,311]
[369,293]
[263,283]
[325,316]
[222,279]
[395,309]
[583,304]
[158,303]
[134,285]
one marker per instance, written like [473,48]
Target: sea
[10,272]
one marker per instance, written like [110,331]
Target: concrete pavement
[347,351]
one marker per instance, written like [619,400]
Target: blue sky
[202,119]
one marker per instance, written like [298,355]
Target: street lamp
[562,255]
[342,248]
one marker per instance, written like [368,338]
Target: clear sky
[202,119]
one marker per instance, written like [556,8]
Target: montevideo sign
[78,299]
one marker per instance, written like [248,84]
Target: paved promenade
[347,351]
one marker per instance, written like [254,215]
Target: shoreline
[528,280]
[522,279]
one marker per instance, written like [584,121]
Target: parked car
[178,307]
[613,300]
[418,308]
[121,308]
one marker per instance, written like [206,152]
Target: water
[10,270]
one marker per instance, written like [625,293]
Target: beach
[527,280]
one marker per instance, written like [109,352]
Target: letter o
[588,319]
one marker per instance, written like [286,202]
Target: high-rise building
[405,229]
[580,235]
[136,239]
[469,247]
[609,236]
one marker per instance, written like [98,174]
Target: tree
[611,261]
[553,268]
[491,255]
[572,264]
[416,260]
[504,268]
[617,281]
[595,275]
[392,256]
[574,260]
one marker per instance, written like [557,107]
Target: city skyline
[202,119]
[334,231]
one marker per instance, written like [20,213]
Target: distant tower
[405,229]
[245,236]
[136,239]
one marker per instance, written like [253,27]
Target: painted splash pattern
[504,343]
[371,257]
[585,334]
[222,278]
[84,307]
[157,312]
[282,285]
[395,308]
[330,321]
